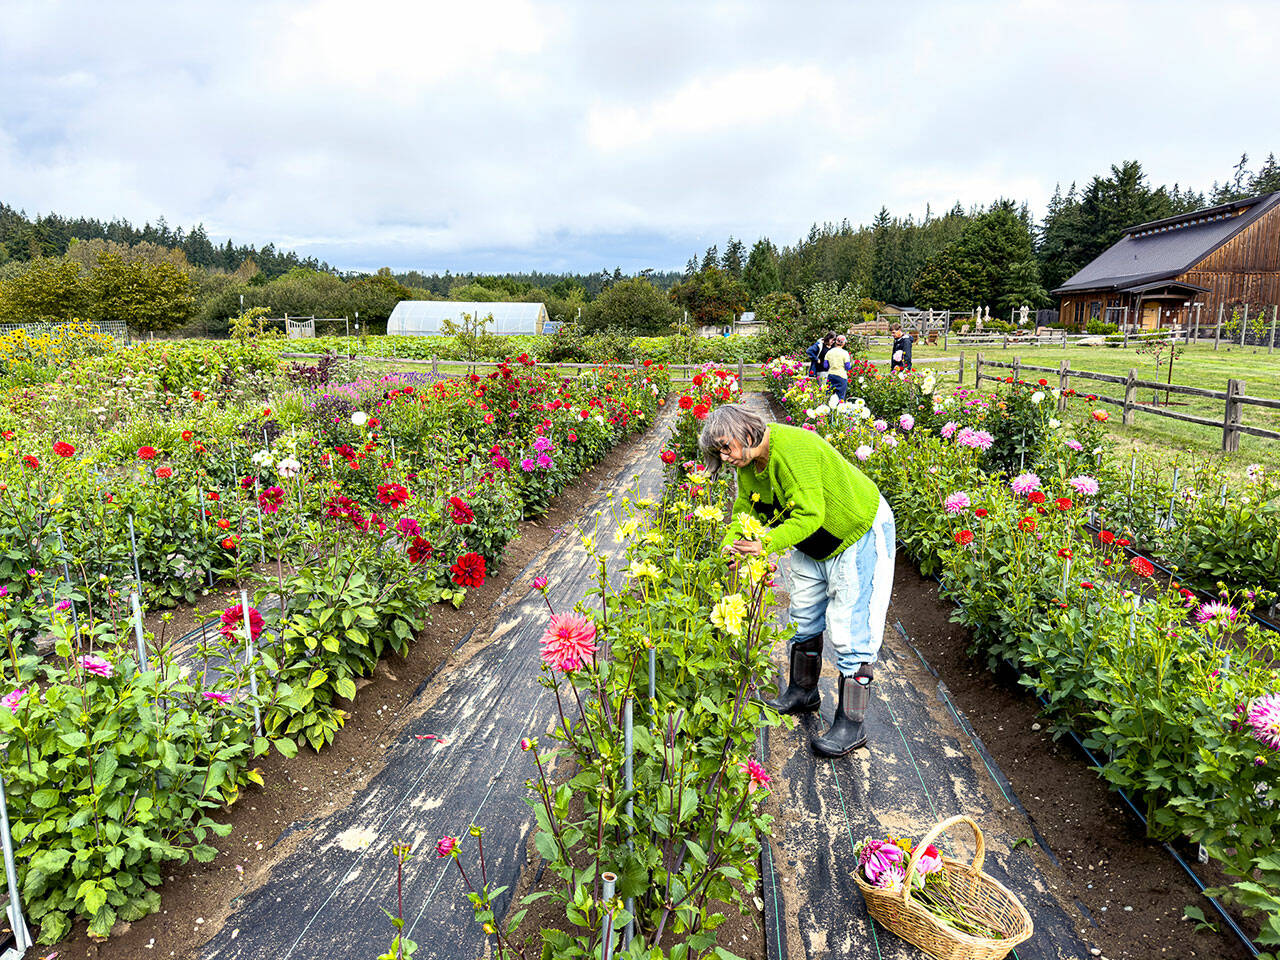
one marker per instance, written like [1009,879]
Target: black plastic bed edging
[1222,911]
[1261,621]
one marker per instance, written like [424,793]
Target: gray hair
[730,422]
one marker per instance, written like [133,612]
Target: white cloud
[519,133]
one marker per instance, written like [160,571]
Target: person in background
[817,352]
[843,535]
[901,349]
[838,363]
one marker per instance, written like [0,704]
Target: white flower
[862,452]
[359,418]
[1037,397]
[644,568]
[263,458]
[1054,424]
[833,402]
[289,468]
[628,530]
[706,512]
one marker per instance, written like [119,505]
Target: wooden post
[1006,342]
[1064,338]
[1244,324]
[1233,416]
[1126,335]
[1130,395]
[1271,344]
[977,371]
[960,372]
[434,366]
[1217,331]
[1196,335]
[741,374]
[1064,380]
[1017,369]
[945,333]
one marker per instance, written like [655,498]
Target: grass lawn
[1198,366]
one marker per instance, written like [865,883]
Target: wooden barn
[1182,271]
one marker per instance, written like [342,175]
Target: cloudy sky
[522,134]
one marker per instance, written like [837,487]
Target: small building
[425,318]
[748,324]
[1181,270]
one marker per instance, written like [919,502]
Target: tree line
[54,267]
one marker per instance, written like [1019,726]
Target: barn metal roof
[1163,249]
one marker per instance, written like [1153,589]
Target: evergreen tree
[734,254]
[711,259]
[760,275]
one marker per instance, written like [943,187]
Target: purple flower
[545,462]
[1084,485]
[62,606]
[407,527]
[222,697]
[542,444]
[877,856]
[956,502]
[1265,718]
[527,464]
[12,699]
[1075,445]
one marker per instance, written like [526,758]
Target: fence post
[945,335]
[1064,379]
[1130,395]
[741,374]
[960,372]
[1006,342]
[1271,344]
[1233,416]
[1017,369]
[977,371]
[1244,324]
[434,366]
[1126,335]
[1217,331]
[1064,338]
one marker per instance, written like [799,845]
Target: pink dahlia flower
[1084,485]
[956,503]
[948,429]
[1264,718]
[221,696]
[569,640]
[12,699]
[878,857]
[99,667]
[881,426]
[1025,483]
[756,777]
[906,421]
[1214,610]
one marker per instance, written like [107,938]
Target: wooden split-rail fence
[1234,399]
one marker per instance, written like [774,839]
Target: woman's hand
[750,548]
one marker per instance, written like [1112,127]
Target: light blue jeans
[847,596]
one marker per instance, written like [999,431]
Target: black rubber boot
[801,694]
[848,728]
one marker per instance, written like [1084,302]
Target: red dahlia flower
[1142,566]
[964,537]
[980,512]
[270,500]
[187,435]
[420,550]
[1028,524]
[392,494]
[668,456]
[164,473]
[460,511]
[701,411]
[1064,503]
[686,403]
[146,453]
[31,462]
[568,641]
[233,623]
[1106,536]
[468,570]
[1036,496]
[1065,553]
[64,449]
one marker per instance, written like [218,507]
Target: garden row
[647,796]
[358,505]
[1026,522]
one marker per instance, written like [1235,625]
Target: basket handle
[928,838]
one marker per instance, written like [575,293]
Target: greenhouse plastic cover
[426,317]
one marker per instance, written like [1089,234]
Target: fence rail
[1234,398]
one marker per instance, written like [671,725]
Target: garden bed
[269,822]
[1097,839]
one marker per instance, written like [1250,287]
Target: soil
[1129,885]
[198,897]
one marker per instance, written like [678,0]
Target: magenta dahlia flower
[1264,718]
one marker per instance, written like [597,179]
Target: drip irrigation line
[1222,911]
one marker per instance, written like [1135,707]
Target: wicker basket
[985,895]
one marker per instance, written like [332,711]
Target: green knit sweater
[814,499]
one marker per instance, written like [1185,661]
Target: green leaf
[317,677]
[345,687]
[45,799]
[287,748]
